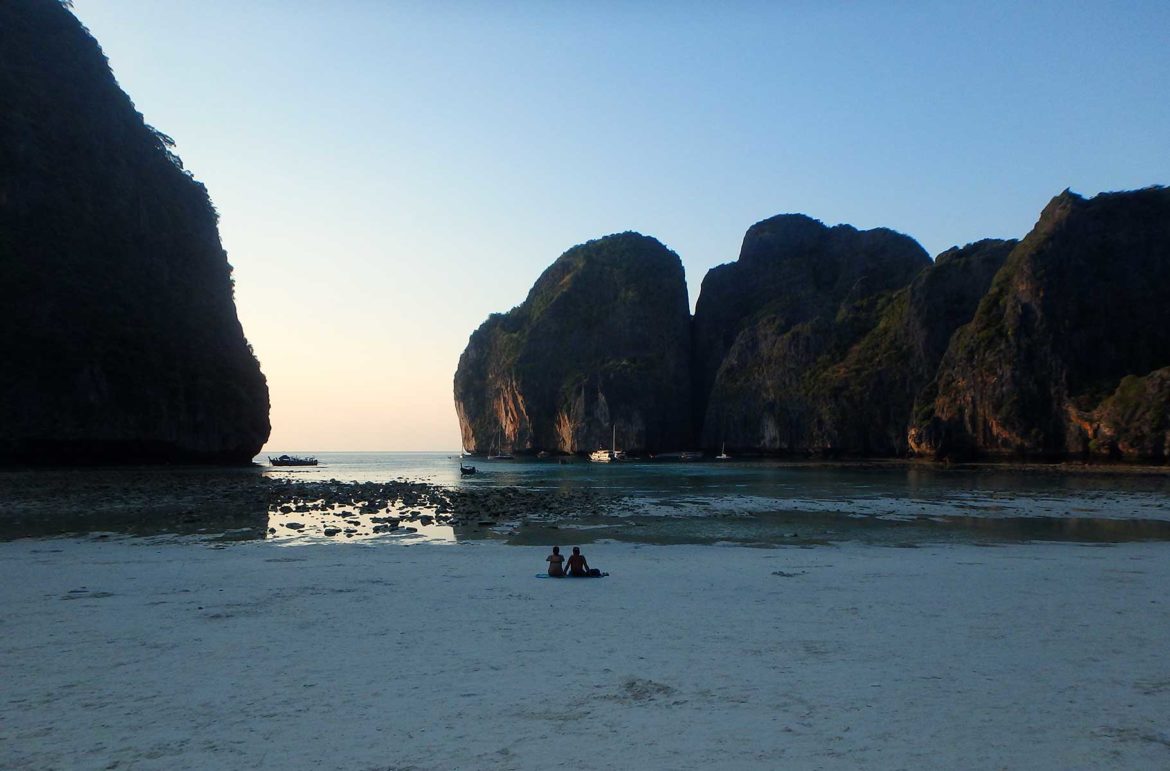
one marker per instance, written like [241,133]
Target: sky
[389,173]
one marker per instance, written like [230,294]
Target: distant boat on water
[292,460]
[466,470]
[500,454]
[612,455]
[723,453]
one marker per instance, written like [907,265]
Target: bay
[771,502]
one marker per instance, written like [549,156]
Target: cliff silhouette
[121,338]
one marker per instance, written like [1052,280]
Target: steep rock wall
[1081,305]
[602,340]
[121,337]
[799,297]
[864,401]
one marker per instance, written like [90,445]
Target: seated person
[556,567]
[578,567]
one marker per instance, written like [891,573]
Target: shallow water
[755,502]
[771,502]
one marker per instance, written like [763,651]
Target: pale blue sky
[388,174]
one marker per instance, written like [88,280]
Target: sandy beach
[179,654]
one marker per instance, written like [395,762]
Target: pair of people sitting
[576,567]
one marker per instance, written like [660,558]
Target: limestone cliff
[1067,352]
[121,338]
[767,327]
[864,402]
[602,340]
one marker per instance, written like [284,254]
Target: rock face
[863,403]
[121,338]
[770,325]
[602,340]
[1068,351]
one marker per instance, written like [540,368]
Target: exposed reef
[121,339]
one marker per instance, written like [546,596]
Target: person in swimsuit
[578,567]
[556,563]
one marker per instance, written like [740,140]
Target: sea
[769,502]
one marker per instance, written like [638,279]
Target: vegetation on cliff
[122,340]
[864,401]
[840,342]
[1080,306]
[769,327]
[602,341]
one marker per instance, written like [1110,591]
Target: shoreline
[632,502]
[187,654]
[1069,465]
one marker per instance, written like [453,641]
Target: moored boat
[612,455]
[499,453]
[292,460]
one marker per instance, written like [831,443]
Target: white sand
[147,655]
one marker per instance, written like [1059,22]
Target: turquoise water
[746,502]
[770,502]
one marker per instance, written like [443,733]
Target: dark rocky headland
[836,342]
[121,339]
[602,340]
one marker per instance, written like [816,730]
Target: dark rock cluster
[389,506]
[121,340]
[839,342]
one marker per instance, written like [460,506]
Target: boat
[466,470]
[611,455]
[292,460]
[500,454]
[723,453]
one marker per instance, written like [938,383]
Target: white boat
[500,454]
[723,454]
[611,455]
